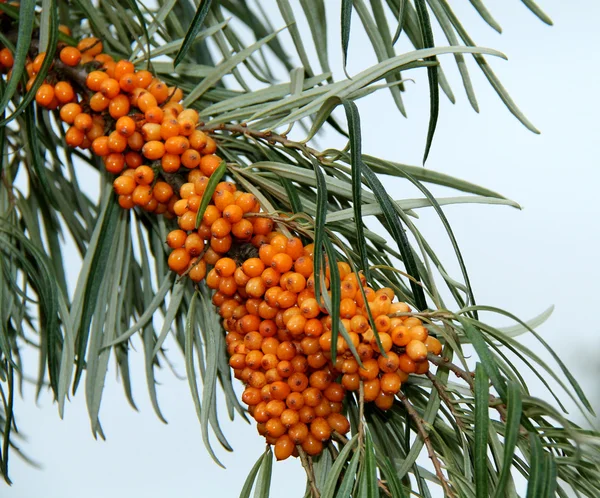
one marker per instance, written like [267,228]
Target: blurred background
[520,260]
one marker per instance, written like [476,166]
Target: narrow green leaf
[551,474]
[514,406]
[401,13]
[193,30]
[345,24]
[174,304]
[487,360]
[336,469]
[146,316]
[190,367]
[209,380]
[398,234]
[487,71]
[537,475]
[350,477]
[335,288]
[533,7]
[357,166]
[486,15]
[249,482]
[320,218]
[292,193]
[393,482]
[314,10]
[215,178]
[25,31]
[225,68]
[97,269]
[482,419]
[432,73]
[263,484]
[290,20]
[370,468]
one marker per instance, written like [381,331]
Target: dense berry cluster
[279,337]
[131,119]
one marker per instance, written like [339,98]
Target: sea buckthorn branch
[310,475]
[450,403]
[424,433]
[12,198]
[267,136]
[494,402]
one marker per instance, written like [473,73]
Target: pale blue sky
[515,258]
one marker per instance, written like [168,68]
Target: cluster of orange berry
[279,337]
[131,119]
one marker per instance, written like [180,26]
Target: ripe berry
[179,260]
[44,95]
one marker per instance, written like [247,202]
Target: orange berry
[220,228]
[94,80]
[119,106]
[406,364]
[100,146]
[179,260]
[6,58]
[91,46]
[99,102]
[433,345]
[298,433]
[74,137]
[198,271]
[162,192]
[320,429]
[142,195]
[124,185]
[338,423]
[384,401]
[38,61]
[284,447]
[83,122]
[210,147]
[110,88]
[151,131]
[70,56]
[243,229]
[416,350]
[68,112]
[153,150]
[159,91]
[209,164]
[44,95]
[116,142]
[170,163]
[135,141]
[372,388]
[390,383]
[63,91]
[144,78]
[126,202]
[197,140]
[114,163]
[176,239]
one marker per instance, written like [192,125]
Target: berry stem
[420,424]
[306,463]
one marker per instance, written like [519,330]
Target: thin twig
[309,472]
[439,387]
[419,422]
[494,402]
[446,363]
[267,136]
[12,199]
[361,413]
